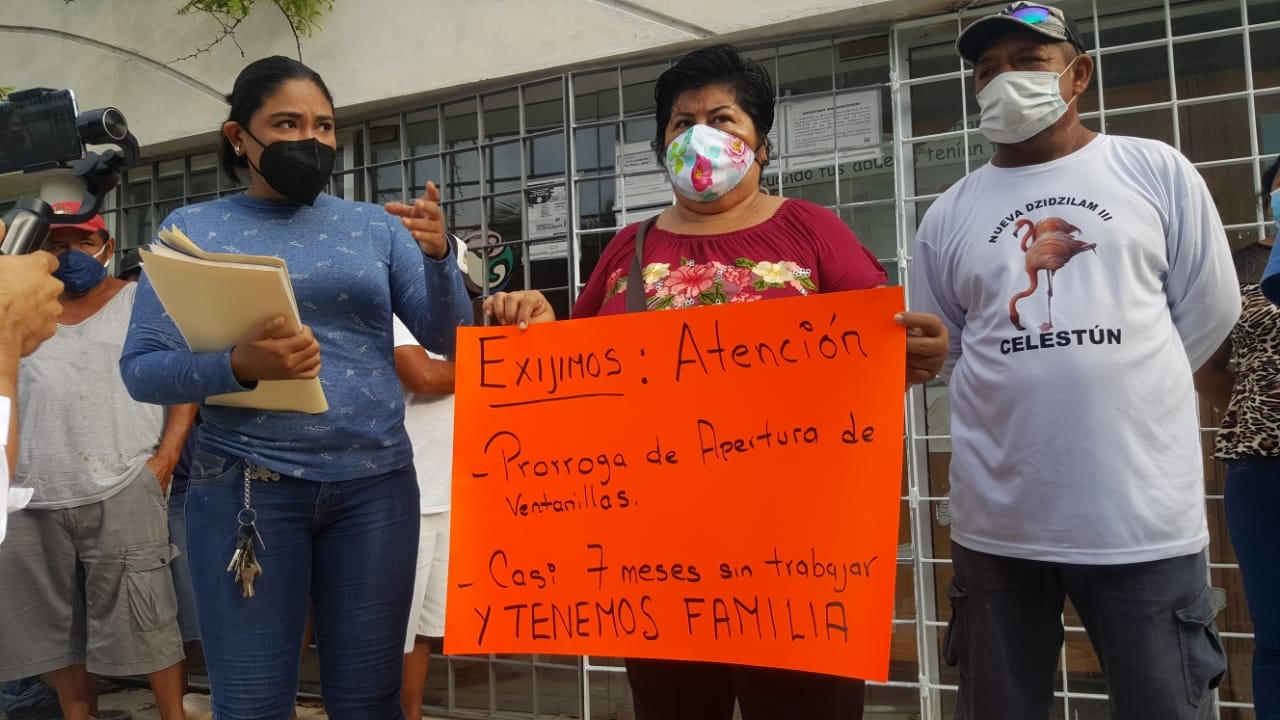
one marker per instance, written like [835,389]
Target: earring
[239,151]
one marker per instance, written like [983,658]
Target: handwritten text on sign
[707,484]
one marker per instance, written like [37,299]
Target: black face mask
[297,169]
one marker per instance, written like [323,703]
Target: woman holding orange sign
[726,241]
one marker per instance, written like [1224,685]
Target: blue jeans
[1252,496]
[28,699]
[348,547]
[181,567]
[1151,625]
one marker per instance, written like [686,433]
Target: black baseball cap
[1043,19]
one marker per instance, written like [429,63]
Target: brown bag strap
[635,281]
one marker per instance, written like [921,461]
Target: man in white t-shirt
[1083,279]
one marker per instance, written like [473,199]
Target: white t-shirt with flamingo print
[1080,295]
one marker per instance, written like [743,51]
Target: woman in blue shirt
[331,496]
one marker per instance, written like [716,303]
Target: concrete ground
[510,691]
[138,703]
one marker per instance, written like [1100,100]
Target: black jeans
[681,690]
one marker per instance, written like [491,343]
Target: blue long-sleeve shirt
[352,267]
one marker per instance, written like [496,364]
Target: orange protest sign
[710,484]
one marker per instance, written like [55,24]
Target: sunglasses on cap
[1045,20]
[1031,14]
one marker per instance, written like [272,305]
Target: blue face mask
[80,272]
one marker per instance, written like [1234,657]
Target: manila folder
[215,303]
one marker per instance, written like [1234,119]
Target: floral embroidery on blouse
[713,283]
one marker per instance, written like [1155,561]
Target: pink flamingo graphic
[1049,245]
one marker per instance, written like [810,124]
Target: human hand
[520,308]
[162,467]
[29,307]
[926,345]
[425,221]
[268,352]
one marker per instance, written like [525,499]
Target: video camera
[42,129]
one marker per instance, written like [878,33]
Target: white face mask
[1019,105]
[705,163]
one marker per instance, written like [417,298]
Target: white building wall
[125,52]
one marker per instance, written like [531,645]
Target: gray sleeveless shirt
[83,439]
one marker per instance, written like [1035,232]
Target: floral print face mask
[705,163]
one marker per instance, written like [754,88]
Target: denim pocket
[956,639]
[210,469]
[1203,660]
[148,587]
